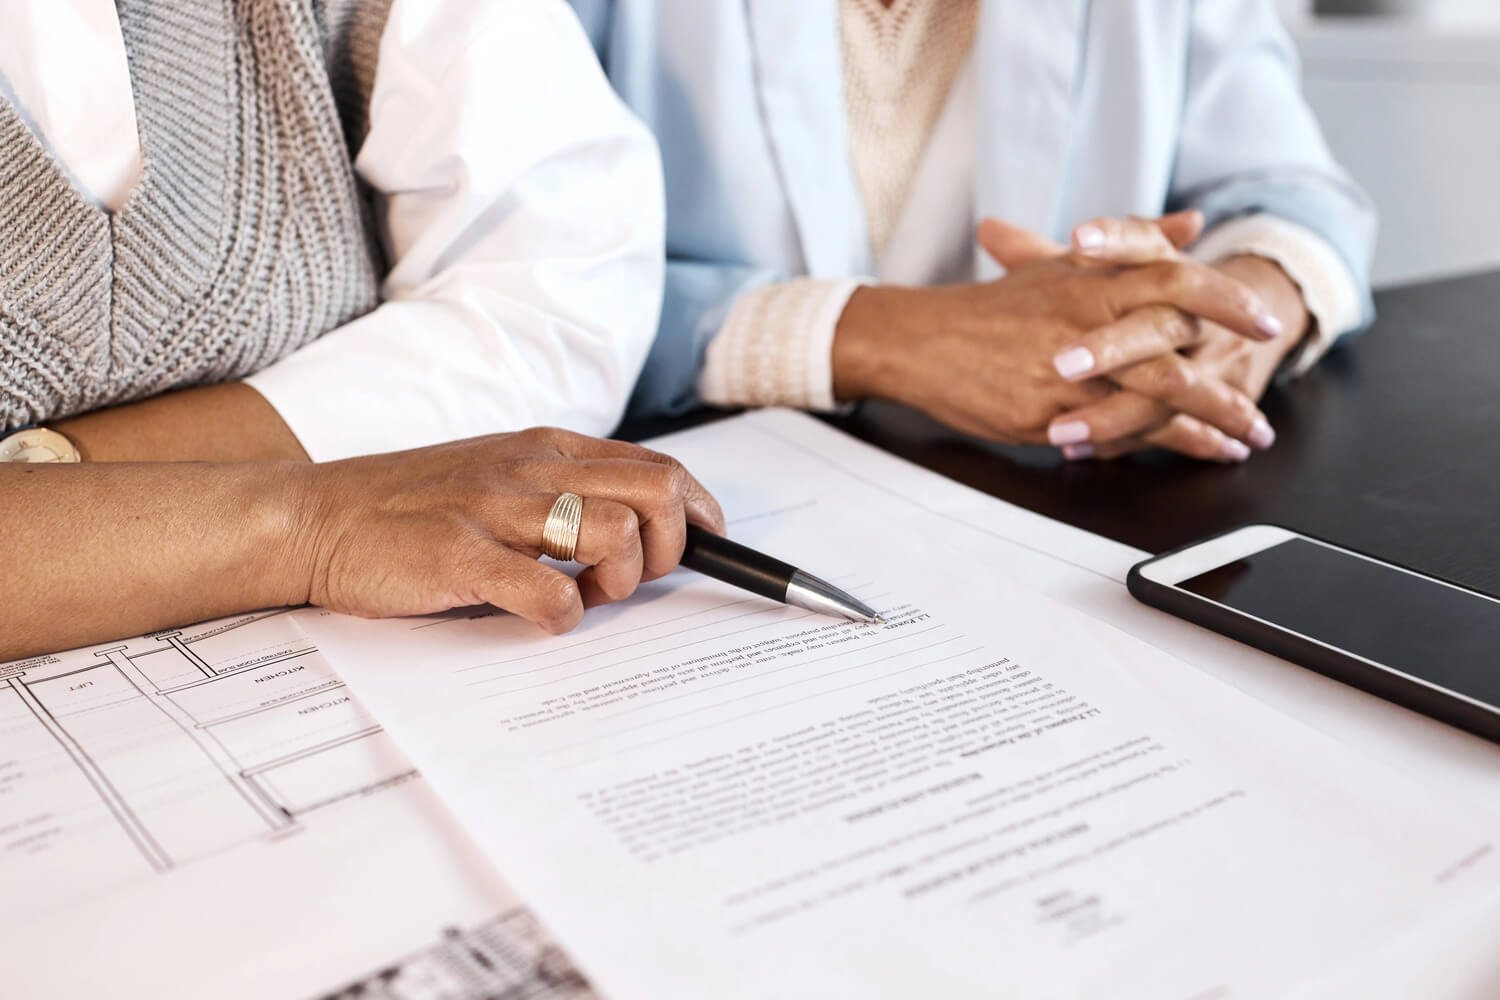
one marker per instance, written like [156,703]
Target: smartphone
[1419,641]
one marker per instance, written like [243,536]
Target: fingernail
[1088,237]
[1077,452]
[1234,451]
[1261,435]
[1068,432]
[1268,324]
[1073,362]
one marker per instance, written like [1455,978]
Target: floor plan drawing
[140,756]
[509,958]
[167,797]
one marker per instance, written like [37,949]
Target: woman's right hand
[460,524]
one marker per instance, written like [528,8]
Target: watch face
[37,445]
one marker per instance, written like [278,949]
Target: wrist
[284,512]
[873,333]
[1280,293]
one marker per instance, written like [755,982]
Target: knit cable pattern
[245,239]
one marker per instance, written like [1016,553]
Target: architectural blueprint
[136,757]
[508,958]
[196,780]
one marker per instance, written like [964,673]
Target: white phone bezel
[1215,552]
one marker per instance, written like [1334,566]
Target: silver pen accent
[807,591]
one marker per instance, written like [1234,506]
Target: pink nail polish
[1073,362]
[1078,452]
[1261,435]
[1088,237]
[1068,432]
[1268,325]
[1234,451]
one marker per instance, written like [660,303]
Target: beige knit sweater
[899,65]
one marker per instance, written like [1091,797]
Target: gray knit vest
[247,236]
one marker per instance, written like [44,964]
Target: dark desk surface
[1391,446]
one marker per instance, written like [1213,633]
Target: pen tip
[877,620]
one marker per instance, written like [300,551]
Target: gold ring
[560,533]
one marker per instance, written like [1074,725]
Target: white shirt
[519,203]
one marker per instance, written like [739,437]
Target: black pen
[735,564]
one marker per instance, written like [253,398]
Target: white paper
[705,794]
[206,812]
[1087,573]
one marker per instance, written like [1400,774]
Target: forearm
[214,423]
[102,551]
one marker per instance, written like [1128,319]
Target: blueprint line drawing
[195,770]
[137,757]
[511,957]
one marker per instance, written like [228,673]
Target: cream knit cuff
[1328,289]
[776,347]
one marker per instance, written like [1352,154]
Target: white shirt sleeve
[522,211]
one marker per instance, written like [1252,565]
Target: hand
[1221,355]
[460,524]
[979,357]
[1161,355]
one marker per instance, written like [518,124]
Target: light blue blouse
[1086,108]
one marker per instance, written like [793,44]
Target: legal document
[703,793]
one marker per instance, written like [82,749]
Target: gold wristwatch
[37,444]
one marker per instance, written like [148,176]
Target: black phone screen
[1440,634]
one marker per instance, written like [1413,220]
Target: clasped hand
[1118,343]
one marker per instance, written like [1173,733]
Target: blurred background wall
[1408,92]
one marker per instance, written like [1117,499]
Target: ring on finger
[560,531]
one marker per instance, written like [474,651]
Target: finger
[1182,434]
[701,507]
[1182,228]
[1130,339]
[1123,241]
[1118,416]
[663,496]
[531,590]
[1011,246]
[609,543]
[1191,389]
[1195,439]
[594,594]
[1082,452]
[1136,240]
[1197,289]
[1127,418]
